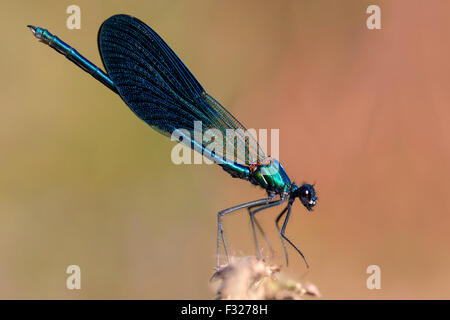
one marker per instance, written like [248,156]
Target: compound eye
[306,194]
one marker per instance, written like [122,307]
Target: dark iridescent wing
[159,88]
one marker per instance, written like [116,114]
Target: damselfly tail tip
[32,28]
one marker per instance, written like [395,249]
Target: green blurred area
[362,113]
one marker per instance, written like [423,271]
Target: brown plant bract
[247,278]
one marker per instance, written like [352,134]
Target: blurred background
[363,113]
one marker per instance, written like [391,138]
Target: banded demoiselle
[155,84]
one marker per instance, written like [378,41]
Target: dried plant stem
[252,279]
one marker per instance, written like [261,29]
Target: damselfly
[144,71]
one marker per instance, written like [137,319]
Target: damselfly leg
[227,211]
[283,231]
[255,222]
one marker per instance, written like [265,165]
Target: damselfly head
[307,196]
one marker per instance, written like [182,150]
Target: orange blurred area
[362,113]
